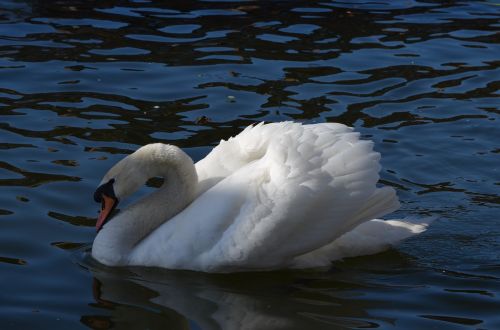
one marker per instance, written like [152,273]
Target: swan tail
[370,237]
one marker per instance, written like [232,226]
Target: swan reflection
[134,298]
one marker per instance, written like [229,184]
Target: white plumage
[281,195]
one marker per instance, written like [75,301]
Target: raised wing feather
[269,195]
[306,186]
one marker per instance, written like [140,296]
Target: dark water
[82,83]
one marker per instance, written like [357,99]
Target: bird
[275,196]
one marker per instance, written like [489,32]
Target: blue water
[83,83]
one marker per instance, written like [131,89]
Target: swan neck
[127,229]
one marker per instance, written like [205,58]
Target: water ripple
[83,84]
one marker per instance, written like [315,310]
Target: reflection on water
[352,295]
[278,300]
[83,83]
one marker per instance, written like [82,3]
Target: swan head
[130,173]
[121,180]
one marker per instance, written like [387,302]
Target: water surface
[83,83]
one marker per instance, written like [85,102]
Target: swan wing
[289,190]
[313,184]
[236,152]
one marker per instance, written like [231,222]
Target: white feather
[275,196]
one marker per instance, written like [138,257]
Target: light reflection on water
[83,83]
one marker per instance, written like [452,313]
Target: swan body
[280,195]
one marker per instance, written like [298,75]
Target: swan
[277,195]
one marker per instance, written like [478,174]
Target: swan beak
[108,205]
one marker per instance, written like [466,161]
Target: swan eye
[155,182]
[105,189]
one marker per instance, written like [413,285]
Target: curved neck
[117,239]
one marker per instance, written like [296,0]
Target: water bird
[277,195]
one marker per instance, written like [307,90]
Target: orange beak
[108,205]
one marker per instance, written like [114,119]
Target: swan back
[270,195]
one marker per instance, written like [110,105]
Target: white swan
[281,195]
